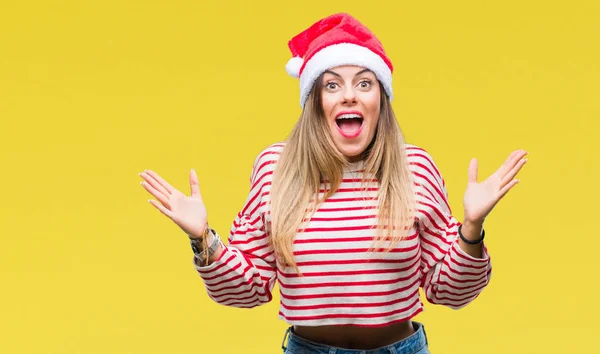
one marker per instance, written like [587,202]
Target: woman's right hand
[188,212]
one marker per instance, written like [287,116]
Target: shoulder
[416,154]
[266,159]
[269,154]
[422,164]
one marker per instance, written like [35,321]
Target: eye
[364,84]
[331,85]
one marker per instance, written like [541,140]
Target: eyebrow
[339,76]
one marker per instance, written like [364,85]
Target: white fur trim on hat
[343,54]
[293,66]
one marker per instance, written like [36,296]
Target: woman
[349,219]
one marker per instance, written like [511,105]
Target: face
[351,103]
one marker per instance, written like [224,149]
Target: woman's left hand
[481,197]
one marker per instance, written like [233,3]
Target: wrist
[203,233]
[205,247]
[472,230]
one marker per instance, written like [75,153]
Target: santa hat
[333,41]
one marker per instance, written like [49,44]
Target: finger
[194,184]
[506,188]
[510,162]
[162,209]
[160,180]
[511,155]
[156,194]
[473,171]
[154,183]
[512,173]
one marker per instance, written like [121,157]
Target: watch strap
[197,246]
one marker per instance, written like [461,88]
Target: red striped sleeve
[245,273]
[450,276]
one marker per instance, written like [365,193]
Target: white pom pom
[293,66]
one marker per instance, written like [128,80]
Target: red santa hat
[333,41]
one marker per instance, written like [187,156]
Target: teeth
[349,116]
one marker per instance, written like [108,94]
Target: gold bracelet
[205,246]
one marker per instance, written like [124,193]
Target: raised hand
[481,197]
[188,212]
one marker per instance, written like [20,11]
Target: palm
[188,212]
[481,197]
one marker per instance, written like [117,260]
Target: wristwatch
[199,252]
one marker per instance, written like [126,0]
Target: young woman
[349,219]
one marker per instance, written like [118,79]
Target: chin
[352,153]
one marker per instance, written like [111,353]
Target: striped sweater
[342,283]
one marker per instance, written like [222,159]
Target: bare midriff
[355,337]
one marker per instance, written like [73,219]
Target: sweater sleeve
[245,273]
[449,275]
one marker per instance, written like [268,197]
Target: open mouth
[349,124]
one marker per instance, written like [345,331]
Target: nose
[349,96]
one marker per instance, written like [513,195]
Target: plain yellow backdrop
[93,92]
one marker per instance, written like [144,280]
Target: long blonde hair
[310,158]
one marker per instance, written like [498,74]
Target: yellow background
[92,92]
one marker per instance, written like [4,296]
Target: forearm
[231,279]
[235,275]
[458,278]
[472,232]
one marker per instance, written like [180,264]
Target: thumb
[194,184]
[473,171]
